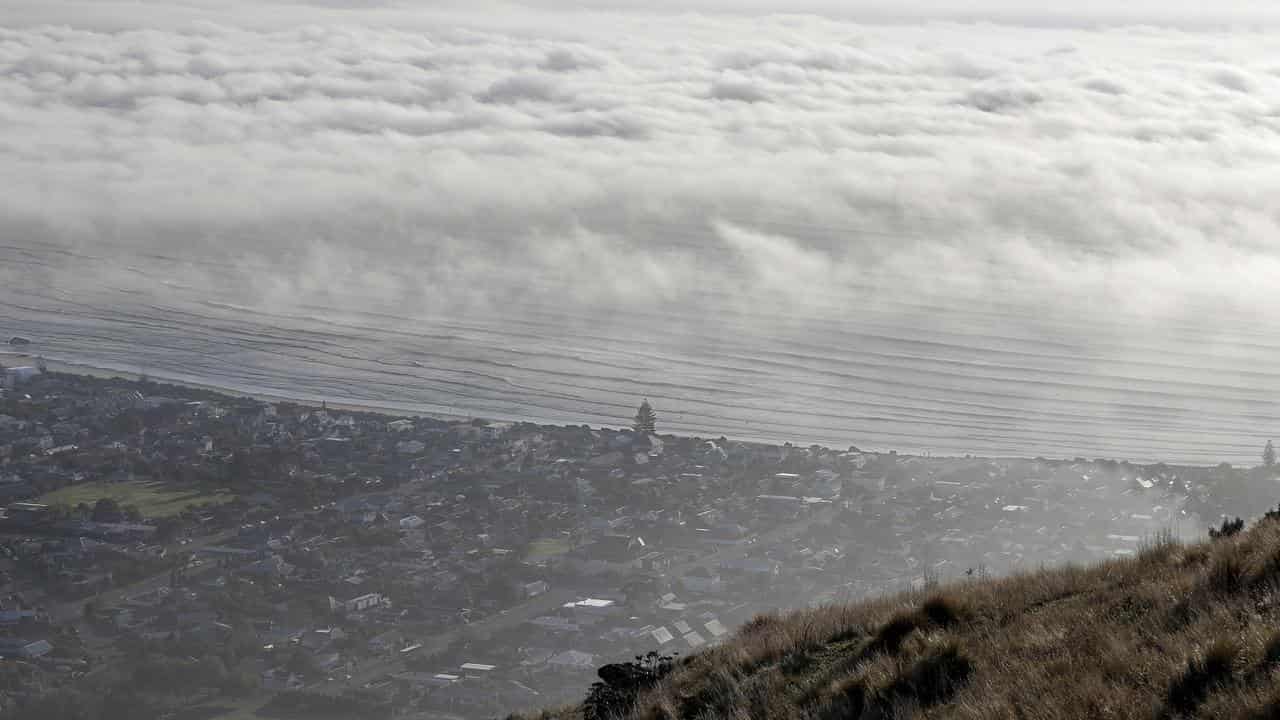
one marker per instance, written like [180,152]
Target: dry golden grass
[1178,631]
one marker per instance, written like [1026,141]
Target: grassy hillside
[1177,631]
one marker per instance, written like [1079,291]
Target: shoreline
[93,371]
[83,369]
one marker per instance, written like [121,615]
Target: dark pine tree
[1269,454]
[645,419]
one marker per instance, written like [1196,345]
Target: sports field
[153,499]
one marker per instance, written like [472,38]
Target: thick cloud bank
[969,237]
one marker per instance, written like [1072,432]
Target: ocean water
[941,373]
[1017,238]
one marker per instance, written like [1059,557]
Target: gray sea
[913,372]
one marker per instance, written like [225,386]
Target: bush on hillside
[893,633]
[942,611]
[934,678]
[1228,529]
[1271,651]
[621,683]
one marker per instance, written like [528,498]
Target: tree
[303,664]
[1269,455]
[620,683]
[1228,529]
[168,529]
[106,510]
[645,418]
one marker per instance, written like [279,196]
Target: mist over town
[329,326]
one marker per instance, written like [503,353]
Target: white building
[357,603]
[402,425]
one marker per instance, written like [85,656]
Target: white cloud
[445,158]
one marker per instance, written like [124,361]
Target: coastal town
[170,552]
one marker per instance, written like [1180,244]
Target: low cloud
[737,90]
[445,160]
[1232,79]
[838,136]
[521,88]
[1105,86]
[564,60]
[998,100]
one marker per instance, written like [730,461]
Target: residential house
[280,679]
[321,638]
[25,649]
[572,660]
[356,603]
[701,580]
[386,643]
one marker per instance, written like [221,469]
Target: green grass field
[153,499]
[547,548]
[225,708]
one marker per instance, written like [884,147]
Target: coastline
[8,358]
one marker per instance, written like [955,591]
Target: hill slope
[1178,631]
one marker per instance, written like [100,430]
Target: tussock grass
[1212,668]
[933,678]
[943,611]
[895,632]
[1271,652]
[1228,574]
[1178,631]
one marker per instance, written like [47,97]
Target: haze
[943,226]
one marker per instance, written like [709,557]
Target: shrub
[942,611]
[1228,574]
[849,701]
[1269,569]
[1182,614]
[934,678]
[621,683]
[1270,709]
[1228,529]
[796,663]
[1271,653]
[893,633]
[719,693]
[1203,673]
